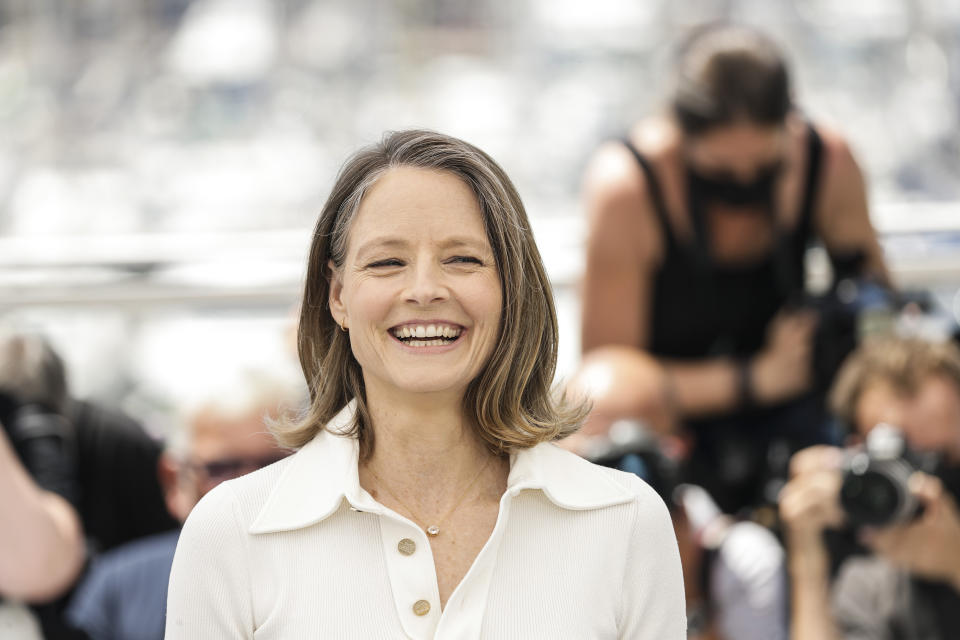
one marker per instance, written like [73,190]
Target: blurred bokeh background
[162,161]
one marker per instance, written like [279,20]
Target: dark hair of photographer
[699,222]
[725,75]
[911,580]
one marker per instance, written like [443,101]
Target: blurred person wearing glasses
[124,594]
[699,220]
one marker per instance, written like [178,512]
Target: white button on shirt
[300,550]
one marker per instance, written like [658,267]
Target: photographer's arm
[41,540]
[809,504]
[811,617]
[842,216]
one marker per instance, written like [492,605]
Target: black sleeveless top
[700,309]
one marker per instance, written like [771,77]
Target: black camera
[44,442]
[874,490]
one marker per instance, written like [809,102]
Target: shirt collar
[323,473]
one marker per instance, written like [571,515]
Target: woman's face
[738,152]
[419,290]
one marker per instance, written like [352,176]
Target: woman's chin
[435,385]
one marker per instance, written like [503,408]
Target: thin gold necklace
[434,529]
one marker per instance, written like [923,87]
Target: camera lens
[871,498]
[874,490]
[878,496]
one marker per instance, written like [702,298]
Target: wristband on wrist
[745,396]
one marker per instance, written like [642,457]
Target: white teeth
[426,343]
[427,331]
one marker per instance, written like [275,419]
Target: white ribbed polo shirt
[300,550]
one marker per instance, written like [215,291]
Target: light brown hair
[510,400]
[903,363]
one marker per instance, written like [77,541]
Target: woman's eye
[389,262]
[465,260]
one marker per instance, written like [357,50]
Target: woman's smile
[419,335]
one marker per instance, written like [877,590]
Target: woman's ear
[335,297]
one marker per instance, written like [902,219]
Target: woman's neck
[423,439]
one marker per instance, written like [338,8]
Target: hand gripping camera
[874,490]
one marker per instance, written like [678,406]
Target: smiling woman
[413,174]
[423,269]
[426,485]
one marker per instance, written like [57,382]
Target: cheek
[486,305]
[930,431]
[367,301]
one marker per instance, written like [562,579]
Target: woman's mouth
[427,335]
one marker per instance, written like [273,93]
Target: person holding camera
[698,225]
[909,586]
[42,548]
[41,538]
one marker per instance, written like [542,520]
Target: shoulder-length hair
[511,400]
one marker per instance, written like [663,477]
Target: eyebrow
[451,242]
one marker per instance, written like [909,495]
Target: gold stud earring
[343,325]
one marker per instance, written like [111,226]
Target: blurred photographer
[699,221]
[41,538]
[909,587]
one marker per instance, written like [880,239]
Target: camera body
[875,488]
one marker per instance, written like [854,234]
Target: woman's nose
[426,284]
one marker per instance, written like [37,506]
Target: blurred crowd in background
[162,163]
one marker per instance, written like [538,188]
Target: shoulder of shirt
[574,482]
[866,573]
[298,491]
[240,499]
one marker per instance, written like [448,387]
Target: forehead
[879,402]
[410,204]
[938,396]
[216,434]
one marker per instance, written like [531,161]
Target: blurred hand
[810,501]
[783,369]
[930,546]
